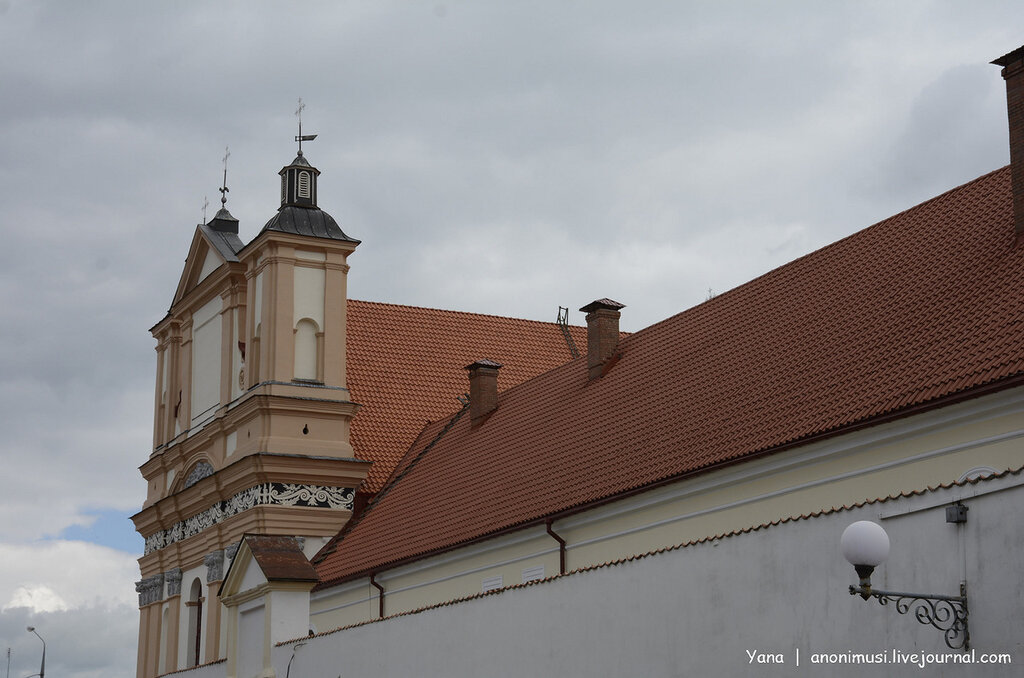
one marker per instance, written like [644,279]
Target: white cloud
[81,599]
[36,598]
[65,575]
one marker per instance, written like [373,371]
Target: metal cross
[206,203]
[300,137]
[224,188]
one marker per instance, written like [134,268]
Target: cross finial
[206,203]
[224,188]
[299,137]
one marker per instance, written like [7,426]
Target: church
[343,487]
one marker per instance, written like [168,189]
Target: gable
[209,250]
[202,260]
[243,574]
[210,264]
[264,558]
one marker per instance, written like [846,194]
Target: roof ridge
[463,313]
[823,248]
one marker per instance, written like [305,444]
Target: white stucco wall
[210,264]
[251,621]
[698,610]
[206,352]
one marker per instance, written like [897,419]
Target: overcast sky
[501,158]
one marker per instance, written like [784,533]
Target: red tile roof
[918,309]
[280,558]
[405,367]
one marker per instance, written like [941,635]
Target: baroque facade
[880,377]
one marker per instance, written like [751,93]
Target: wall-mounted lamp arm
[946,613]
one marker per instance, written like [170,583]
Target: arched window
[303,184]
[194,638]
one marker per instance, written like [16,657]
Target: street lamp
[42,664]
[866,545]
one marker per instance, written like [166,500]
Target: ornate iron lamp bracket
[946,613]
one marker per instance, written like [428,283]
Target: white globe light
[865,543]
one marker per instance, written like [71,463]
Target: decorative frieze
[150,589]
[267,494]
[173,579]
[214,566]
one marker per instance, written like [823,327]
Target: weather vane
[224,188]
[300,137]
[206,203]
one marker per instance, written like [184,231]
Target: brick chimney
[602,334]
[1013,73]
[483,390]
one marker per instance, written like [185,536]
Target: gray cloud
[642,151]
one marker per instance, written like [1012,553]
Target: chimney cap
[602,304]
[1010,57]
[484,363]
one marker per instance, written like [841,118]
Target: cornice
[265,238]
[247,406]
[263,519]
[212,285]
[246,472]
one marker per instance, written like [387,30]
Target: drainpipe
[380,597]
[561,547]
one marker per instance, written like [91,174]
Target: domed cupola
[298,212]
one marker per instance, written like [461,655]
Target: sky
[495,157]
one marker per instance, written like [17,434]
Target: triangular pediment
[243,574]
[264,559]
[205,256]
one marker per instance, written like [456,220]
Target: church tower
[251,416]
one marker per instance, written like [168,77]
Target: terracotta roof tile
[405,367]
[922,306]
[280,558]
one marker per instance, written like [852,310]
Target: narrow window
[193,641]
[303,184]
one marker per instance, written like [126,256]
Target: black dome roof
[311,221]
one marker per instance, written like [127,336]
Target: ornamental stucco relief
[279,494]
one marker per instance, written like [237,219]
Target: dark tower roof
[299,213]
[224,222]
[306,221]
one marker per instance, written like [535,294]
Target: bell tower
[252,414]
